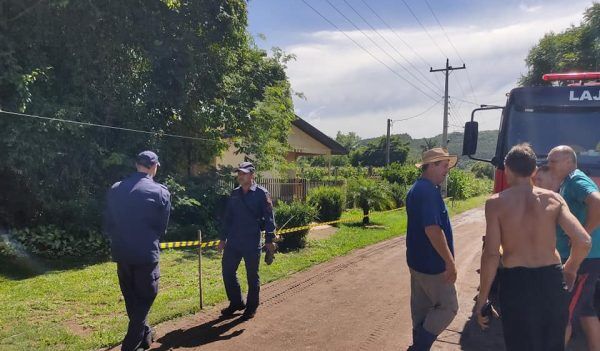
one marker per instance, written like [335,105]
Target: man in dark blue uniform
[136,216]
[249,210]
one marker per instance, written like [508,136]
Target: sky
[360,62]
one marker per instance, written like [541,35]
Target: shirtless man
[534,292]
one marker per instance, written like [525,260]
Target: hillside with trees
[486,146]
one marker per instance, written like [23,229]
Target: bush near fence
[294,214]
[329,201]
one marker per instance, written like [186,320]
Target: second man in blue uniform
[249,211]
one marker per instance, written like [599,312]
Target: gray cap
[147,159]
[245,167]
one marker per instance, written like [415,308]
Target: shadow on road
[202,334]
[473,338]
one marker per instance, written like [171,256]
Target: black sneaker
[148,339]
[232,309]
[247,315]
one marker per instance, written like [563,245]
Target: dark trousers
[139,285]
[232,257]
[534,307]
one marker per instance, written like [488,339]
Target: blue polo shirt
[425,207]
[576,187]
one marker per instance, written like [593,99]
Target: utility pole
[447,73]
[445,128]
[387,142]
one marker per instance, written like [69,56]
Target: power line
[367,51]
[398,36]
[380,48]
[87,124]
[454,114]
[25,11]
[451,44]
[396,50]
[466,117]
[460,86]
[419,114]
[425,29]
[457,111]
[466,101]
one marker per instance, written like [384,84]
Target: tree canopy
[170,67]
[575,49]
[373,153]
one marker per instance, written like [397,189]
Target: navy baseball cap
[147,159]
[245,167]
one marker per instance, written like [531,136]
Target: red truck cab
[546,117]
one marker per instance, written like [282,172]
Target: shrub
[369,194]
[329,202]
[7,248]
[53,242]
[197,203]
[314,173]
[294,214]
[463,185]
[400,174]
[398,193]
[483,170]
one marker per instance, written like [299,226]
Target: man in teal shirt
[583,197]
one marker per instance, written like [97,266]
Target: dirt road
[356,302]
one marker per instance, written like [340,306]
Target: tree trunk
[365,215]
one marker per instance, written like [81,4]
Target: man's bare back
[527,218]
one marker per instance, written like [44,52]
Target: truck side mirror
[470,138]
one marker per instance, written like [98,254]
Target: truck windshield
[547,128]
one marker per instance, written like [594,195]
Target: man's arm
[166,212]
[269,218]
[581,241]
[490,258]
[438,241]
[592,219]
[225,225]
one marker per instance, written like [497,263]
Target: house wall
[229,158]
[303,143]
[300,142]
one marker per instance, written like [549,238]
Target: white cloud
[530,8]
[348,90]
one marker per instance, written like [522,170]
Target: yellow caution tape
[179,244]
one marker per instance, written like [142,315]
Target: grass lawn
[82,308]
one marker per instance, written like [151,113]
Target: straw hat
[437,154]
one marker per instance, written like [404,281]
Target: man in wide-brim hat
[436,155]
[430,251]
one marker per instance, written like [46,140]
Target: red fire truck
[546,117]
